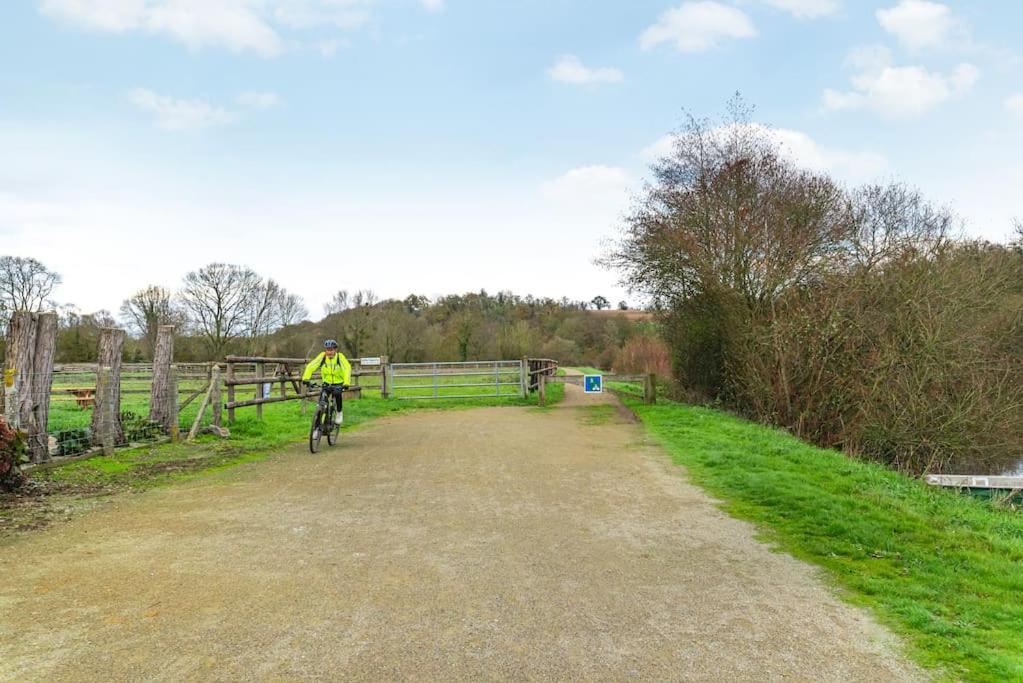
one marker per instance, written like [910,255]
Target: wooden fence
[29,388]
[287,373]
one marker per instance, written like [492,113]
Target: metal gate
[473,379]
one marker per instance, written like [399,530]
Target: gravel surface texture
[495,543]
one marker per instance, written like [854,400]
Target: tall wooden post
[542,386]
[172,404]
[230,391]
[103,429]
[108,396]
[42,383]
[217,406]
[650,389]
[385,390]
[524,378]
[260,373]
[21,342]
[160,396]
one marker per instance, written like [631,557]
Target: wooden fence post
[543,389]
[230,391]
[172,403]
[650,389]
[102,410]
[160,395]
[385,363]
[21,331]
[111,348]
[524,378]
[218,406]
[260,372]
[42,383]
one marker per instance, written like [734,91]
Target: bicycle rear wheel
[316,432]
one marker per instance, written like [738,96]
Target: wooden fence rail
[288,371]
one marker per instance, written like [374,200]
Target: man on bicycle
[335,371]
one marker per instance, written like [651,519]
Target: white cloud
[801,149]
[698,26]
[258,100]
[897,91]
[174,114]
[590,191]
[568,69]
[807,9]
[433,5]
[238,25]
[920,24]
[1015,104]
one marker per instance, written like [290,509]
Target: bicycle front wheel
[316,432]
[333,431]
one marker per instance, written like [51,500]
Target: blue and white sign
[593,384]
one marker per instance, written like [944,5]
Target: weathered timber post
[160,399]
[385,390]
[524,378]
[111,347]
[172,403]
[230,391]
[103,430]
[650,389]
[21,337]
[42,383]
[260,372]
[218,407]
[542,386]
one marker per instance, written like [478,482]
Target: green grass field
[943,570]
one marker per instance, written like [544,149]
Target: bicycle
[323,420]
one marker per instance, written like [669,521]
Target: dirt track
[493,543]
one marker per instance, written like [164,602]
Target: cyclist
[335,370]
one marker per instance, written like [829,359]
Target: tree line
[224,308]
[859,318]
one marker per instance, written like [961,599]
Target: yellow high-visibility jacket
[336,370]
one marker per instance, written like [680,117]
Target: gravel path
[497,543]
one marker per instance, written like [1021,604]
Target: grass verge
[944,571]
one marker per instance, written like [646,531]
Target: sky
[445,146]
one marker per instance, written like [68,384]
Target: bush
[12,456]
[73,441]
[644,354]
[139,428]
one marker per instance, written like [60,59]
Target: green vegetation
[588,370]
[856,318]
[943,570]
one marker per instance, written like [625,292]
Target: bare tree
[272,307]
[600,302]
[25,285]
[338,303]
[893,221]
[728,213]
[219,300]
[146,310]
[291,309]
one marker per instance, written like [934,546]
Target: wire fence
[76,418]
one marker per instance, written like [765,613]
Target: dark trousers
[337,391]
